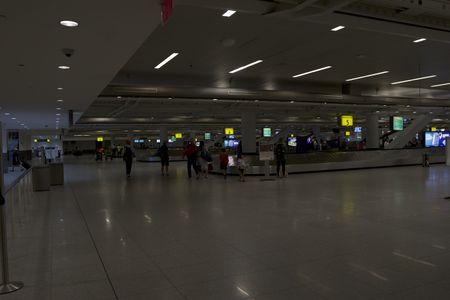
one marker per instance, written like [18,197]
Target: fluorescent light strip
[171,56]
[365,76]
[229,13]
[441,84]
[338,28]
[414,79]
[313,71]
[246,66]
[420,40]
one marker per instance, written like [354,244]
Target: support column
[163,135]
[248,129]
[372,132]
[4,149]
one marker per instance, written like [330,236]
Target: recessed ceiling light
[58,114]
[169,58]
[369,75]
[377,111]
[119,97]
[64,67]
[60,100]
[420,40]
[60,89]
[338,28]
[414,79]
[229,13]
[68,23]
[256,100]
[246,66]
[441,84]
[13,118]
[22,124]
[7,114]
[291,101]
[58,108]
[313,71]
[215,99]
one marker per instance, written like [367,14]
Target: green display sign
[207,136]
[397,123]
[267,132]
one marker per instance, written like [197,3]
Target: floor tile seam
[142,250]
[86,224]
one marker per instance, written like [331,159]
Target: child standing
[223,158]
[241,166]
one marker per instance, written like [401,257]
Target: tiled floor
[367,234]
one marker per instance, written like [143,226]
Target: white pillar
[372,132]
[2,147]
[248,130]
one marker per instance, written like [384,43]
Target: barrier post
[6,286]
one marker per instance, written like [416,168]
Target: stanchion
[6,286]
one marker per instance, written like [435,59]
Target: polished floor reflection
[366,234]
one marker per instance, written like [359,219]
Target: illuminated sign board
[178,135]
[99,139]
[267,132]
[397,123]
[358,129]
[207,136]
[433,129]
[346,121]
[229,131]
[347,133]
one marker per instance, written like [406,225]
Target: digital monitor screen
[267,132]
[358,129]
[436,139]
[230,143]
[207,136]
[292,141]
[397,123]
[136,141]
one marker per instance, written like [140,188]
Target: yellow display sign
[35,140]
[433,129]
[99,139]
[229,131]
[178,135]
[48,140]
[347,133]
[346,121]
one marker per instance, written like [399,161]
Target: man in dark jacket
[128,155]
[191,153]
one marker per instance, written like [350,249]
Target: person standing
[204,159]
[241,165]
[190,152]
[280,156]
[163,153]
[223,160]
[128,155]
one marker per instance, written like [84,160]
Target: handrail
[17,180]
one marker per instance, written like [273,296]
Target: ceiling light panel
[413,79]
[246,66]
[366,76]
[420,40]
[229,13]
[340,27]
[312,71]
[169,58]
[68,23]
[441,84]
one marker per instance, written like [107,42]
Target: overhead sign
[173,138]
[99,139]
[433,129]
[347,133]
[267,132]
[346,121]
[229,131]
[207,136]
[397,123]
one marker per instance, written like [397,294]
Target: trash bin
[57,173]
[41,178]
